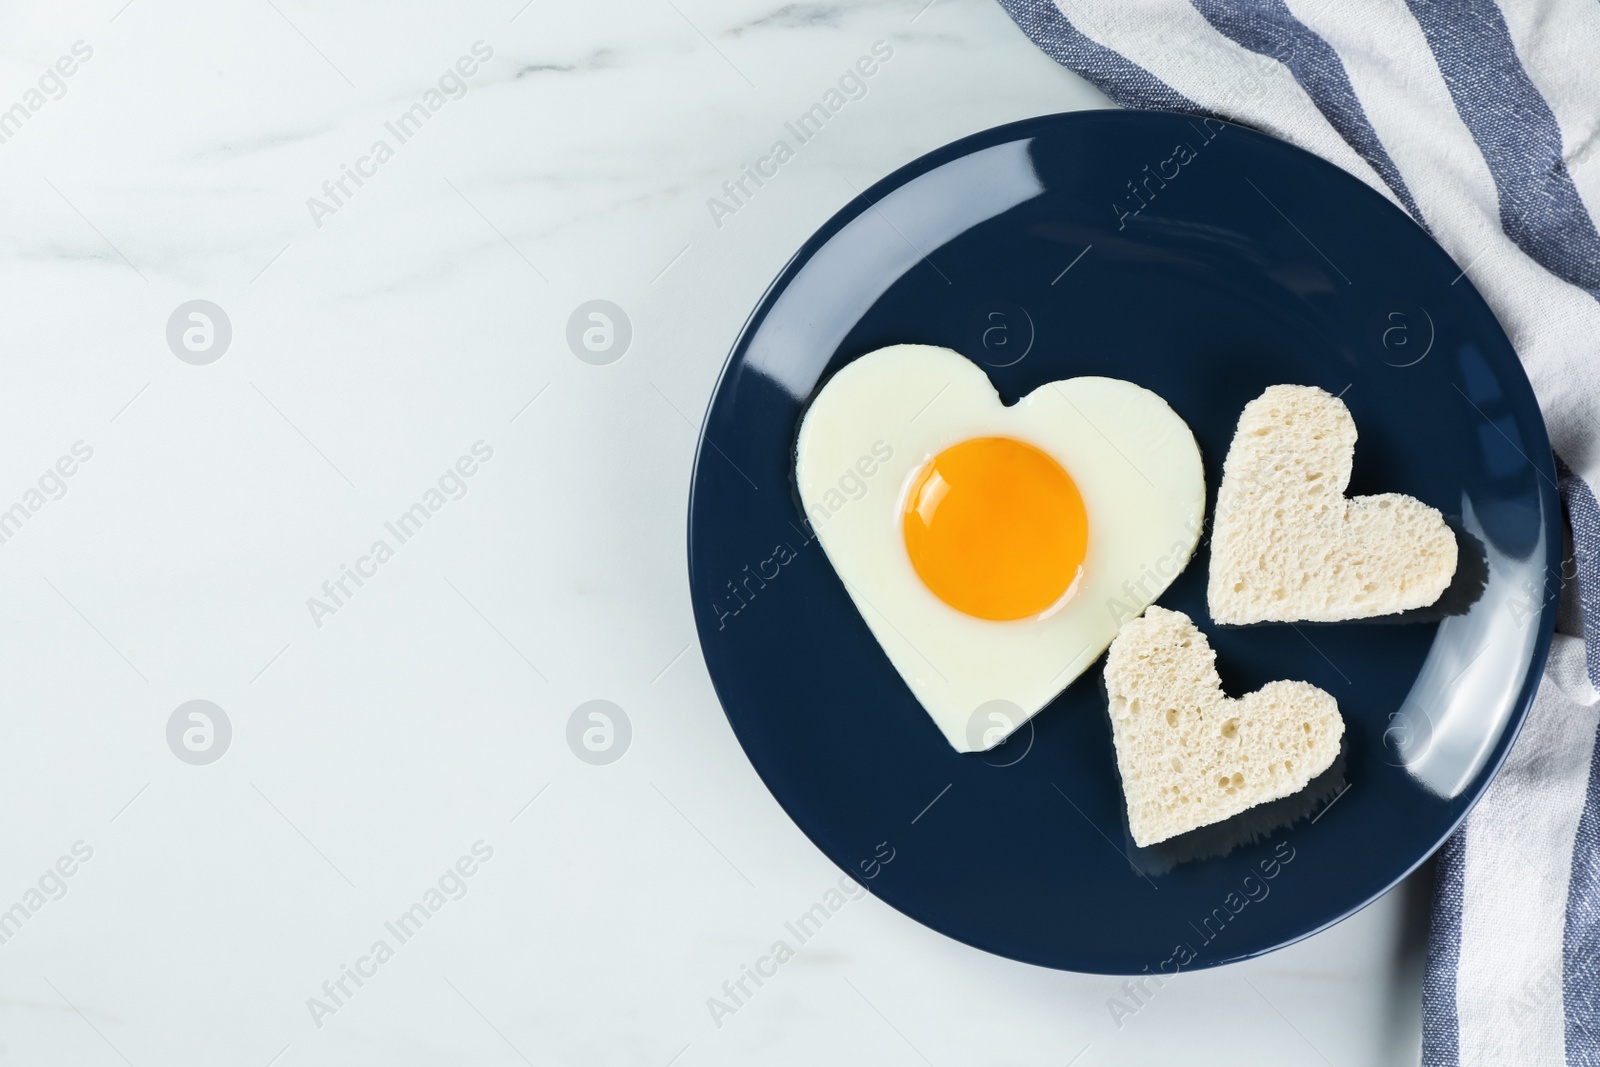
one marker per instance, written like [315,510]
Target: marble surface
[379,336]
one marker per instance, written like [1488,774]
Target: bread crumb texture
[1287,545]
[1189,754]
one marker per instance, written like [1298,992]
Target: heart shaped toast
[1189,754]
[1287,545]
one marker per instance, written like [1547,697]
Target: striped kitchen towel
[1481,120]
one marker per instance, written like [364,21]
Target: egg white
[882,417]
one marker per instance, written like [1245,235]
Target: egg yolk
[995,528]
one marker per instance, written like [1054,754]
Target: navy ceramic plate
[1205,262]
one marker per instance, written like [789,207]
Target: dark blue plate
[1205,262]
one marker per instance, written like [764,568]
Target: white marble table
[380,734]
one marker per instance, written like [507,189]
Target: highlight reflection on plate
[1205,294]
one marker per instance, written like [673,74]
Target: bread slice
[1190,755]
[1287,545]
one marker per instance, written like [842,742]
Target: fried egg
[994,551]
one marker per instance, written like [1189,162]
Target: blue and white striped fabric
[1482,121]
